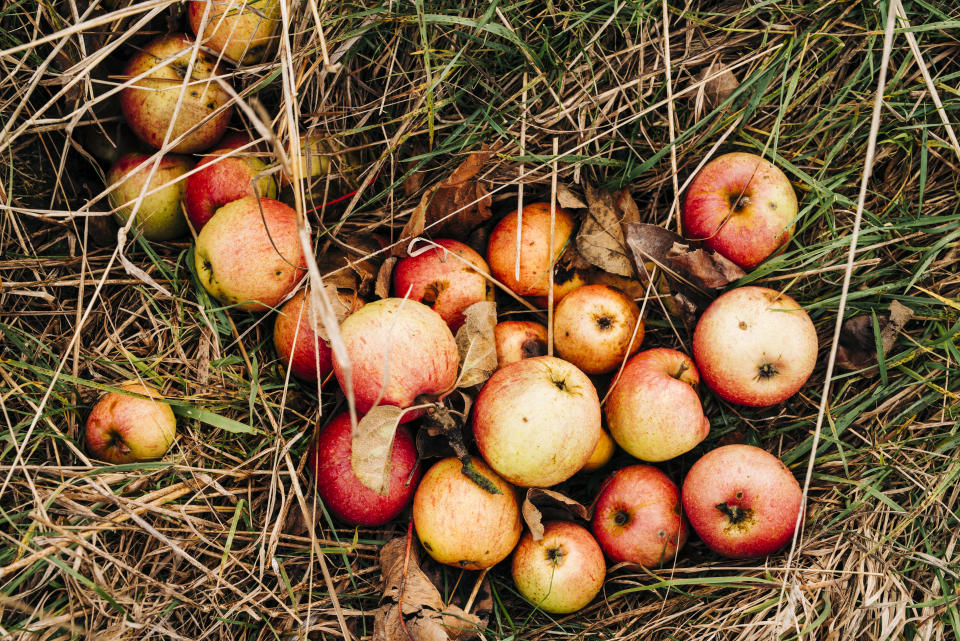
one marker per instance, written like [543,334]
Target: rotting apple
[593,328]
[517,340]
[297,343]
[536,255]
[159,216]
[241,29]
[126,429]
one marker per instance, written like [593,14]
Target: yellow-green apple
[741,206]
[249,254]
[461,524]
[537,421]
[240,29]
[536,255]
[126,429]
[742,501]
[602,453]
[448,279]
[149,104]
[159,216]
[344,496]
[563,571]
[320,156]
[398,350]
[755,346]
[223,176]
[653,410]
[593,328]
[297,343]
[637,517]
[517,340]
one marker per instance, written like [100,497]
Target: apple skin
[220,179]
[741,206]
[241,29]
[653,410]
[637,517]
[127,429]
[593,327]
[443,282]
[461,524]
[344,496]
[517,340]
[159,216]
[237,259]
[148,104]
[742,501]
[423,356]
[563,571]
[309,356]
[537,421]
[755,346]
[602,453]
[536,257]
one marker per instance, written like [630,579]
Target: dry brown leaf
[475,342]
[719,87]
[627,206]
[538,499]
[567,199]
[354,271]
[384,278]
[600,240]
[858,348]
[372,444]
[340,309]
[413,183]
[706,269]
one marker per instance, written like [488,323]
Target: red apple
[297,343]
[537,421]
[223,176]
[755,346]
[561,572]
[127,429]
[742,501]
[399,350]
[249,254]
[637,518]
[149,104]
[741,206]
[653,410]
[593,328]
[159,216]
[517,340]
[440,279]
[536,255]
[461,524]
[240,29]
[344,496]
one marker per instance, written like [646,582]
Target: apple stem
[683,368]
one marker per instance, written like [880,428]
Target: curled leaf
[549,501]
[858,344]
[567,199]
[372,444]
[600,240]
[384,277]
[476,344]
[718,83]
[705,270]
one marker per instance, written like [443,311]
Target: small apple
[637,518]
[755,346]
[344,496]
[127,429]
[297,343]
[440,279]
[593,328]
[149,104]
[536,256]
[537,421]
[563,571]
[223,176]
[159,216]
[461,524]
[742,501]
[517,340]
[321,156]
[249,255]
[653,410]
[240,29]
[741,206]
[602,453]
[399,349]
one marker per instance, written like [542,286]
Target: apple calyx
[604,322]
[555,555]
[741,203]
[736,514]
[767,371]
[621,517]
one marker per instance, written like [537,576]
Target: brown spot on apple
[532,348]
[739,518]
[432,291]
[742,325]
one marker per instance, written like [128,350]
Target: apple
[653,410]
[563,571]
[537,421]
[159,216]
[322,155]
[637,518]
[461,524]
[742,501]
[127,429]
[297,343]
[240,29]
[536,256]
[517,340]
[755,346]
[248,255]
[399,350]
[223,176]
[602,453]
[440,279]
[149,104]
[741,206]
[593,328]
[344,496]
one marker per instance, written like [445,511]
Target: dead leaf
[413,227]
[551,500]
[858,348]
[413,183]
[720,85]
[411,608]
[297,523]
[567,199]
[384,278]
[355,269]
[600,240]
[627,206]
[476,344]
[372,444]
[707,269]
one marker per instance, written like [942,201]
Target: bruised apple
[223,176]
[298,344]
[593,328]
[517,340]
[537,257]
[126,429]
